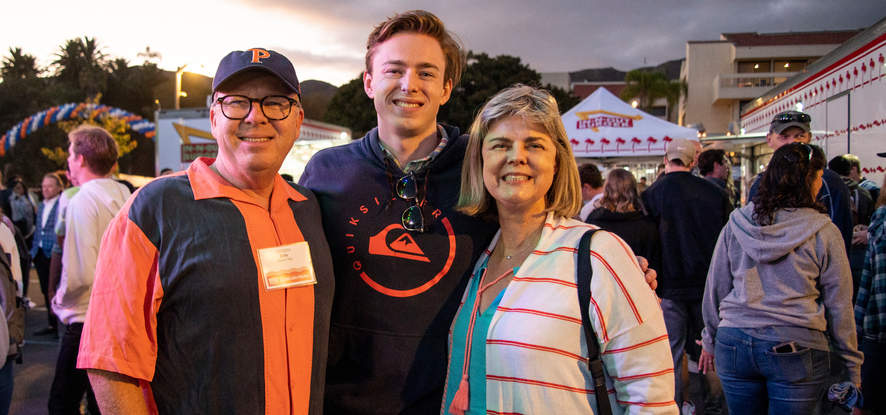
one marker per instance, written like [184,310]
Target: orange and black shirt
[179,302]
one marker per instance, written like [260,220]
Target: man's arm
[117,394]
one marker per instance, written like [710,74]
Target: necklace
[522,251]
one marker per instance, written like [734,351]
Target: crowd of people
[422,270]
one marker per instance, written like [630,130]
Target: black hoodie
[396,291]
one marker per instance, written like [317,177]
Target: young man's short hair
[97,146]
[853,161]
[840,165]
[707,159]
[589,174]
[425,23]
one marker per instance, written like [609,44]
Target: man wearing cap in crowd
[794,127]
[214,285]
[690,212]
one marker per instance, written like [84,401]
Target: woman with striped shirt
[516,344]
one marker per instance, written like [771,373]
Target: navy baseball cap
[256,59]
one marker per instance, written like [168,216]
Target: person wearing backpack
[12,318]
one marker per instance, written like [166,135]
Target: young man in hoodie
[91,155]
[400,249]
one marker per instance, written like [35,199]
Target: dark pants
[873,376]
[41,263]
[6,386]
[70,383]
[684,324]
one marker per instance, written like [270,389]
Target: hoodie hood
[768,243]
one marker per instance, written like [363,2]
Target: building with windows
[723,75]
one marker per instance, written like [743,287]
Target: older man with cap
[690,212]
[794,127]
[214,285]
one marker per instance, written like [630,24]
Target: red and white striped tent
[602,125]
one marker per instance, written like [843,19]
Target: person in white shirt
[92,154]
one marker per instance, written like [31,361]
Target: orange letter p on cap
[259,54]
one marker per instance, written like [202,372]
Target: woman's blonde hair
[620,192]
[535,106]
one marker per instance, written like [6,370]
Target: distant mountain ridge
[671,69]
[315,97]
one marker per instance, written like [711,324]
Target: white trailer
[183,135]
[845,94]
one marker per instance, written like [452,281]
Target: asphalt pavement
[33,377]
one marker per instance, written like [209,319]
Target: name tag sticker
[287,266]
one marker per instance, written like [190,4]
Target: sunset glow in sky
[326,39]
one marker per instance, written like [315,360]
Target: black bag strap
[585,273]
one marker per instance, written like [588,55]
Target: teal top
[477,367]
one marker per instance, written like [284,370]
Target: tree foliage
[648,86]
[80,72]
[80,65]
[351,108]
[483,77]
[19,66]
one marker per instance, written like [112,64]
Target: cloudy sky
[326,39]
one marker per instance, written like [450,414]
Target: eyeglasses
[793,117]
[412,218]
[274,107]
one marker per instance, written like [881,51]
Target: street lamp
[178,85]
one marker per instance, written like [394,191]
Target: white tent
[602,125]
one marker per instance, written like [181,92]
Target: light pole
[178,85]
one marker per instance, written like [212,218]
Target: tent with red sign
[602,125]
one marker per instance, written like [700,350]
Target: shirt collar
[207,184]
[416,165]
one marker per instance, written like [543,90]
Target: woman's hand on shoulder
[648,273]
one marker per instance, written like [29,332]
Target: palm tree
[80,64]
[19,65]
[645,86]
[150,56]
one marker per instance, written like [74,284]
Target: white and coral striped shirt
[536,355]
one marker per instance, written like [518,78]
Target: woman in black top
[621,212]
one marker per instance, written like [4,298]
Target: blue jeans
[758,380]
